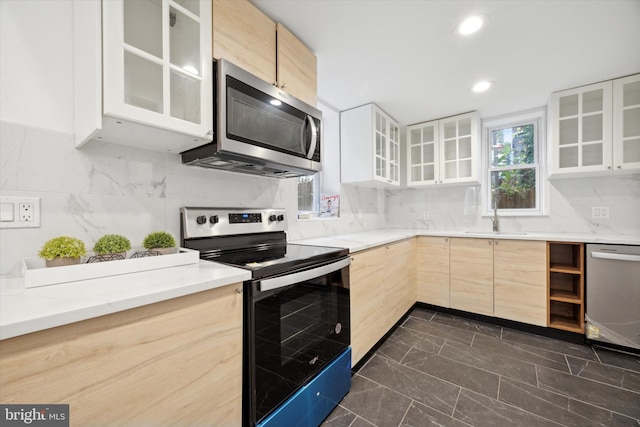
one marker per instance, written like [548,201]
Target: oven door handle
[292,279]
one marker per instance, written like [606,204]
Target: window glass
[513,168]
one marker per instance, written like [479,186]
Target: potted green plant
[114,244]
[160,241]
[62,250]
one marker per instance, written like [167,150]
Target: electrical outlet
[600,212]
[25,211]
[20,212]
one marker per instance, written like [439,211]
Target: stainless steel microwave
[258,128]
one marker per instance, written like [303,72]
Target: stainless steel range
[296,354]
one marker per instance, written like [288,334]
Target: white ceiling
[407,57]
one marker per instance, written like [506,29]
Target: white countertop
[368,239]
[23,311]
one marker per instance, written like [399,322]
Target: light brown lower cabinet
[176,362]
[432,285]
[471,269]
[519,281]
[382,289]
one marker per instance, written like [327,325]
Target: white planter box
[36,273]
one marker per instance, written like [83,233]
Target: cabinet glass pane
[591,154]
[465,148]
[592,101]
[450,130]
[415,173]
[450,170]
[631,120]
[143,26]
[592,128]
[428,172]
[415,136]
[381,167]
[464,169]
[381,146]
[631,94]
[568,131]
[450,151]
[416,154]
[464,127]
[428,134]
[184,42]
[569,105]
[185,97]
[568,157]
[192,6]
[428,155]
[631,151]
[142,83]
[393,172]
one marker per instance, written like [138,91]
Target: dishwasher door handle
[617,257]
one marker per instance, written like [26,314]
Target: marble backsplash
[104,188]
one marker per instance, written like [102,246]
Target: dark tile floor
[442,370]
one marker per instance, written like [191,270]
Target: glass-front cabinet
[443,151]
[596,128]
[370,147]
[626,123]
[156,72]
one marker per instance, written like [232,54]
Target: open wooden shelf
[565,282]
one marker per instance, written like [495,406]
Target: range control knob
[201,219]
[272,218]
[213,219]
[280,217]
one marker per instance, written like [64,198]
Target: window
[308,195]
[513,146]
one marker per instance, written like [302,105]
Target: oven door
[296,325]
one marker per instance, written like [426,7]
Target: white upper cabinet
[595,129]
[143,73]
[626,123]
[443,151]
[370,147]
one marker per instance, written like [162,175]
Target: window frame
[536,117]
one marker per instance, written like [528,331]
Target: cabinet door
[520,281]
[381,145]
[394,153]
[296,67]
[433,270]
[459,138]
[626,123]
[422,154]
[400,279]
[471,282]
[245,36]
[367,296]
[157,67]
[581,129]
[176,362]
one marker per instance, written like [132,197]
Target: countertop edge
[24,311]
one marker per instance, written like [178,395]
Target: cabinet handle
[275,83]
[353,259]
[619,167]
[489,242]
[239,290]
[446,240]
[283,86]
[609,167]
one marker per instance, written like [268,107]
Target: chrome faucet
[496,224]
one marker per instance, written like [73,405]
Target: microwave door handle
[308,121]
[292,279]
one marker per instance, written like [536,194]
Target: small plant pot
[165,251]
[62,261]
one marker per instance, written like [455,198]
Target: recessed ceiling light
[481,86]
[470,25]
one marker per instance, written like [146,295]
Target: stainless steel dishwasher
[613,294]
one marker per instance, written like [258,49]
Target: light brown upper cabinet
[250,39]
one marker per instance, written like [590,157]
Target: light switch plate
[19,212]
